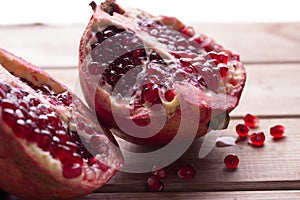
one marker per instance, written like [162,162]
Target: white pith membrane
[227,86]
[13,73]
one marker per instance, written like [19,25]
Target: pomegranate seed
[251,121]
[187,172]
[277,131]
[7,104]
[72,171]
[94,68]
[169,95]
[102,166]
[65,98]
[242,130]
[150,94]
[257,139]
[223,69]
[61,152]
[161,173]
[21,129]
[33,136]
[74,159]
[44,141]
[92,161]
[189,31]
[8,116]
[231,161]
[155,184]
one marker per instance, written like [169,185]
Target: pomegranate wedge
[51,147]
[139,72]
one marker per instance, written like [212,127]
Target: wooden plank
[275,166]
[43,45]
[258,42]
[244,195]
[58,45]
[271,90]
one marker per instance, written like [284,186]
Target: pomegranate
[139,72]
[46,150]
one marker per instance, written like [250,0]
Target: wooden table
[271,53]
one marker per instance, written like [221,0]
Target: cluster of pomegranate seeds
[256,139]
[187,171]
[116,51]
[277,131]
[251,121]
[154,182]
[242,130]
[231,161]
[36,122]
[64,98]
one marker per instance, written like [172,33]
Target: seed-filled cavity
[37,122]
[118,55]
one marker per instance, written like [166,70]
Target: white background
[78,11]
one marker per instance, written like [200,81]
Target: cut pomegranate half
[46,150]
[143,68]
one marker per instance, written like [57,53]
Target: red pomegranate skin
[210,106]
[29,173]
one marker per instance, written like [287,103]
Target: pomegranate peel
[130,60]
[42,149]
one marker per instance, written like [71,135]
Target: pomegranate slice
[138,71]
[44,151]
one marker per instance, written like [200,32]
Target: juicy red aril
[231,161]
[72,171]
[242,130]
[161,173]
[32,120]
[94,68]
[277,131]
[251,121]
[169,95]
[155,184]
[187,172]
[150,94]
[116,52]
[219,57]
[21,129]
[223,69]
[8,116]
[257,139]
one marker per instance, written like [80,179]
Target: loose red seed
[251,121]
[161,173]
[155,184]
[231,161]
[242,130]
[257,139]
[277,131]
[187,172]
